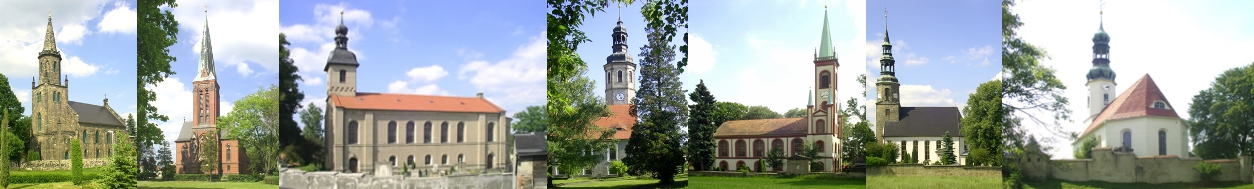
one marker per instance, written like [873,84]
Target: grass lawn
[774,182]
[1098,184]
[203,184]
[46,185]
[932,182]
[681,181]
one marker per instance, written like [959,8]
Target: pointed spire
[810,98]
[341,34]
[826,51]
[50,42]
[886,41]
[887,63]
[206,70]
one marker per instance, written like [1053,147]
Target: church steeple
[50,57]
[888,66]
[826,51]
[341,34]
[206,70]
[1101,54]
[50,42]
[620,68]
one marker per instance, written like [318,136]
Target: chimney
[480,94]
[106,101]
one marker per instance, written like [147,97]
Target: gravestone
[797,165]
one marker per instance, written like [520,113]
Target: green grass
[1098,184]
[775,182]
[53,185]
[932,182]
[203,184]
[681,181]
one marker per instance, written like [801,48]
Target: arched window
[342,73]
[759,148]
[461,158]
[777,144]
[620,76]
[1127,138]
[927,154]
[722,148]
[797,146]
[740,148]
[490,156]
[392,159]
[39,120]
[819,145]
[109,138]
[352,133]
[352,165]
[228,152]
[409,132]
[722,165]
[461,132]
[1160,105]
[426,132]
[444,159]
[825,80]
[409,160]
[444,132]
[97,136]
[820,126]
[391,132]
[427,160]
[1162,142]
[491,128]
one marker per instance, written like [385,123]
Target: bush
[76,161]
[196,177]
[876,161]
[816,167]
[874,149]
[744,170]
[1208,170]
[316,167]
[270,180]
[147,175]
[46,177]
[244,178]
[168,172]
[33,156]
[761,165]
[617,167]
[122,167]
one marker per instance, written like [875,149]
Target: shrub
[744,170]
[76,161]
[122,167]
[816,167]
[33,156]
[761,165]
[46,177]
[1208,170]
[874,149]
[168,172]
[876,161]
[147,175]
[617,167]
[890,152]
[270,180]
[244,178]
[195,177]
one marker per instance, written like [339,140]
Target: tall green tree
[76,161]
[702,122]
[311,117]
[209,153]
[122,170]
[4,167]
[761,112]
[572,134]
[291,139]
[855,143]
[1028,87]
[775,158]
[8,102]
[982,121]
[1220,116]
[655,144]
[531,119]
[165,158]
[795,112]
[1086,148]
[728,111]
[157,31]
[946,150]
[564,65]
[252,123]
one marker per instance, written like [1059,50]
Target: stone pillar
[1246,169]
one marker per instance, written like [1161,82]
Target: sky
[245,54]
[760,52]
[450,48]
[943,50]
[1182,45]
[97,43]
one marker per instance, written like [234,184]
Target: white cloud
[926,96]
[978,52]
[174,100]
[311,81]
[517,79]
[75,66]
[427,74]
[225,107]
[405,87]
[243,32]
[913,60]
[121,19]
[951,59]
[72,34]
[243,69]
[702,55]
[327,17]
[23,95]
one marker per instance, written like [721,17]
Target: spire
[1101,51]
[341,34]
[50,42]
[810,98]
[886,41]
[888,65]
[825,46]
[205,70]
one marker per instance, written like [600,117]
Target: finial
[206,8]
[885,18]
[620,11]
[341,17]
[49,14]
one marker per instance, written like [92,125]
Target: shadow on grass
[676,184]
[1052,183]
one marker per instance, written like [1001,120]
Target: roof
[762,127]
[925,121]
[826,51]
[1134,102]
[530,144]
[620,119]
[185,133]
[206,70]
[88,113]
[414,102]
[342,57]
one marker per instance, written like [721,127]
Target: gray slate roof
[185,133]
[925,122]
[531,144]
[341,56]
[88,113]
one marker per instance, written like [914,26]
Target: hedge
[37,177]
[271,180]
[195,177]
[244,178]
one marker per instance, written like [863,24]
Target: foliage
[23,177]
[947,150]
[889,151]
[775,158]
[271,180]
[876,161]
[761,112]
[1086,148]
[571,107]
[297,149]
[33,155]
[530,119]
[702,123]
[855,144]
[727,111]
[1208,170]
[1028,86]
[157,31]
[982,121]
[196,177]
[655,143]
[311,117]
[571,134]
[168,172]
[252,123]
[209,152]
[795,113]
[165,157]
[907,158]
[1219,117]
[874,149]
[618,168]
[244,178]
[121,171]
[4,125]
[9,103]
[761,165]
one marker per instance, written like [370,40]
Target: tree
[1028,87]
[947,150]
[4,167]
[121,169]
[130,124]
[289,133]
[572,134]
[795,112]
[761,112]
[890,152]
[209,153]
[855,143]
[1086,148]
[655,144]
[702,119]
[1221,125]
[982,120]
[530,119]
[76,161]
[157,31]
[727,111]
[8,102]
[252,123]
[165,157]
[775,158]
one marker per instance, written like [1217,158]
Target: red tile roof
[620,119]
[762,127]
[413,102]
[1134,102]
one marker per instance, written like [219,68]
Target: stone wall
[47,165]
[1120,167]
[933,170]
[292,178]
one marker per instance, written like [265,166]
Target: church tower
[50,101]
[823,118]
[205,86]
[341,67]
[1101,79]
[620,69]
[887,102]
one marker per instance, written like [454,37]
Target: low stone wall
[292,178]
[48,165]
[933,170]
[1119,167]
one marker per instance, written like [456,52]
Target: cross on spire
[341,17]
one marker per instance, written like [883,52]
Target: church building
[918,131]
[204,124]
[1139,121]
[437,133]
[57,120]
[620,95]
[745,142]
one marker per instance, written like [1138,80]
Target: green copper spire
[810,98]
[825,47]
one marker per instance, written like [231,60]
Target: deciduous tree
[1222,125]
[531,119]
[252,122]
[982,120]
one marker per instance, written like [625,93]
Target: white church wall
[1144,132]
[928,151]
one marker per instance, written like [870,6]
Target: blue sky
[1183,46]
[97,44]
[944,49]
[245,53]
[455,48]
[762,52]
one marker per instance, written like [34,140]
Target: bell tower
[1101,79]
[887,90]
[205,85]
[620,69]
[341,67]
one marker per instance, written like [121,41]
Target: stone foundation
[1120,167]
[292,178]
[48,165]
[933,170]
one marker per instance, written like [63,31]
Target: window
[461,129]
[409,160]
[426,132]
[1105,98]
[97,135]
[927,153]
[613,152]
[491,127]
[1127,138]
[409,132]
[740,164]
[444,159]
[777,144]
[796,146]
[428,160]
[39,120]
[342,73]
[722,165]
[1162,142]
[820,126]
[391,132]
[392,159]
[886,111]
[759,148]
[722,148]
[352,133]
[490,156]
[109,137]
[352,165]
[444,132]
[620,76]
[1160,105]
[819,145]
[228,152]
[740,148]
[825,80]
[461,158]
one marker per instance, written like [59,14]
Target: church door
[1127,139]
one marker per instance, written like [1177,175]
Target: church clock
[620,96]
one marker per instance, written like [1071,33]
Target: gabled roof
[89,113]
[762,127]
[530,144]
[185,133]
[413,102]
[925,121]
[620,119]
[1136,101]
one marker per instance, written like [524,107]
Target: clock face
[824,94]
[620,96]
[1106,87]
